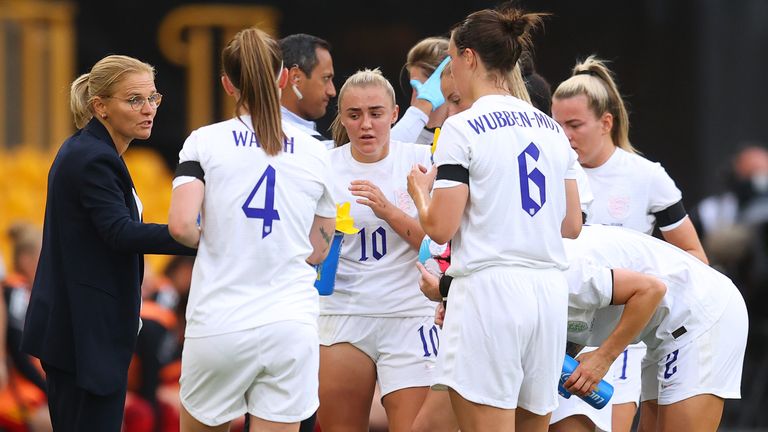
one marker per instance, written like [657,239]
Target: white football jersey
[377,273]
[628,189]
[256,217]
[518,159]
[696,293]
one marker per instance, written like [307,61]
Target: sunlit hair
[362,78]
[102,80]
[252,62]
[498,36]
[516,84]
[593,79]
[427,54]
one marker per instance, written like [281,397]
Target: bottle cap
[344,221]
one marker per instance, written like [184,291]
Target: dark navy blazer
[83,313]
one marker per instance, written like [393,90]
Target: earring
[104,116]
[297,92]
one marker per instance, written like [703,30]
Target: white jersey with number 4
[518,159]
[696,293]
[257,213]
[377,273]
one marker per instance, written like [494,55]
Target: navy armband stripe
[670,215]
[190,169]
[453,172]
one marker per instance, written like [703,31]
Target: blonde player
[629,191]
[505,189]
[376,326]
[266,211]
[696,337]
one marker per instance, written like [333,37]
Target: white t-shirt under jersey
[257,213]
[628,189]
[377,274]
[518,159]
[696,293]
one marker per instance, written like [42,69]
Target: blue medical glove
[430,89]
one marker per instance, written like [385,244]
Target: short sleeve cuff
[604,283]
[182,180]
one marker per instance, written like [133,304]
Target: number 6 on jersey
[267,213]
[532,183]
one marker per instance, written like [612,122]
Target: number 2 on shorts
[670,366]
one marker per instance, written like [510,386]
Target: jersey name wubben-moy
[696,293]
[518,159]
[377,273]
[257,214]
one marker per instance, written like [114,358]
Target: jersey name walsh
[249,139]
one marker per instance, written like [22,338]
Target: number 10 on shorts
[430,348]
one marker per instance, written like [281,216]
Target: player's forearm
[186,203]
[187,234]
[320,236]
[638,310]
[428,220]
[408,228]
[686,238]
[421,200]
[699,253]
[571,225]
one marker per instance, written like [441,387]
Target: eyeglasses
[137,102]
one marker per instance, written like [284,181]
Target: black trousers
[74,409]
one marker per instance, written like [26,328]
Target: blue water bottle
[326,271]
[598,398]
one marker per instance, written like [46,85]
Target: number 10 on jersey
[267,213]
[378,243]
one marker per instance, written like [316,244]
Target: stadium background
[692,72]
